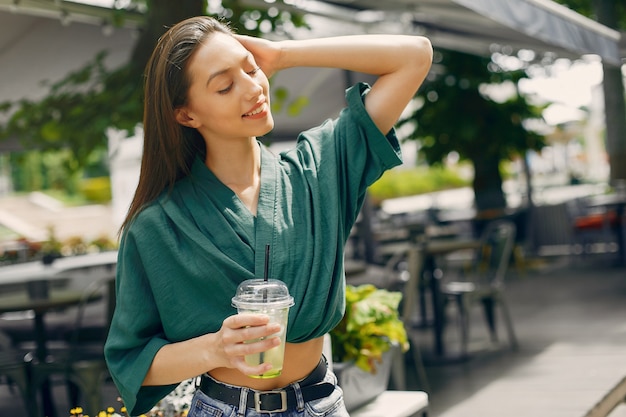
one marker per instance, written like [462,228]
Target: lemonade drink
[269,297]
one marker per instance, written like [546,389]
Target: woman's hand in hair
[266,53]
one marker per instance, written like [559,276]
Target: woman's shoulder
[148,215]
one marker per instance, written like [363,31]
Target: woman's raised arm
[401,63]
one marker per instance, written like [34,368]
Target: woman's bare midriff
[300,360]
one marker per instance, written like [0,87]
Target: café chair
[591,226]
[15,372]
[80,361]
[484,283]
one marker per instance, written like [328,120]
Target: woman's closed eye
[230,86]
[226,90]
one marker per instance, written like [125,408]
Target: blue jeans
[331,406]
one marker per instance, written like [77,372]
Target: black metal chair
[16,373]
[80,361]
[485,282]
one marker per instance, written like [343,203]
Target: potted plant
[363,342]
[51,249]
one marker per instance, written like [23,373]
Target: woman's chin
[268,127]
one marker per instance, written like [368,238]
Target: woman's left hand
[266,53]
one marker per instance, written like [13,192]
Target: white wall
[124,164]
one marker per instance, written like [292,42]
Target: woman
[210,198]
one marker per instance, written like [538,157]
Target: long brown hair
[168,147]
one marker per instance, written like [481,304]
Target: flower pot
[360,387]
[49,258]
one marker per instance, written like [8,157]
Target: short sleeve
[348,154]
[131,343]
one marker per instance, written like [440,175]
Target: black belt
[274,401]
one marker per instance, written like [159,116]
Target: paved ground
[32,215]
[569,316]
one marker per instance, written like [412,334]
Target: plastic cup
[269,297]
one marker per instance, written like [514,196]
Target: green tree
[610,13]
[459,115]
[80,107]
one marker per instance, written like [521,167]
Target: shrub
[402,182]
[96,189]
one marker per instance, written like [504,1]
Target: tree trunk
[615,112]
[162,14]
[614,104]
[529,186]
[487,183]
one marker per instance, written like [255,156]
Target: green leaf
[369,328]
[296,107]
[50,132]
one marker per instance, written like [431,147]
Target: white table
[30,271]
[395,404]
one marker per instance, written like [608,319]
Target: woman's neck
[238,166]
[236,162]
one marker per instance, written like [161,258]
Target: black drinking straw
[267,263]
[265,278]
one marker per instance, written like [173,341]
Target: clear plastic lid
[255,293]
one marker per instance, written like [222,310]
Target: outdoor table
[432,249]
[29,271]
[20,277]
[421,256]
[617,202]
[40,304]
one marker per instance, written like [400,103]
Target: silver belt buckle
[283,401]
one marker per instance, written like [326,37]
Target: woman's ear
[184,118]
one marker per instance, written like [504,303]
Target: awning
[474,26]
[37,49]
[548,23]
[70,11]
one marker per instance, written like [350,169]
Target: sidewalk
[569,316]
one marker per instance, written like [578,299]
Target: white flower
[178,400]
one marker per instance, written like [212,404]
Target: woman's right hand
[175,362]
[266,53]
[236,330]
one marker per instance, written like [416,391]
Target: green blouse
[181,259]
